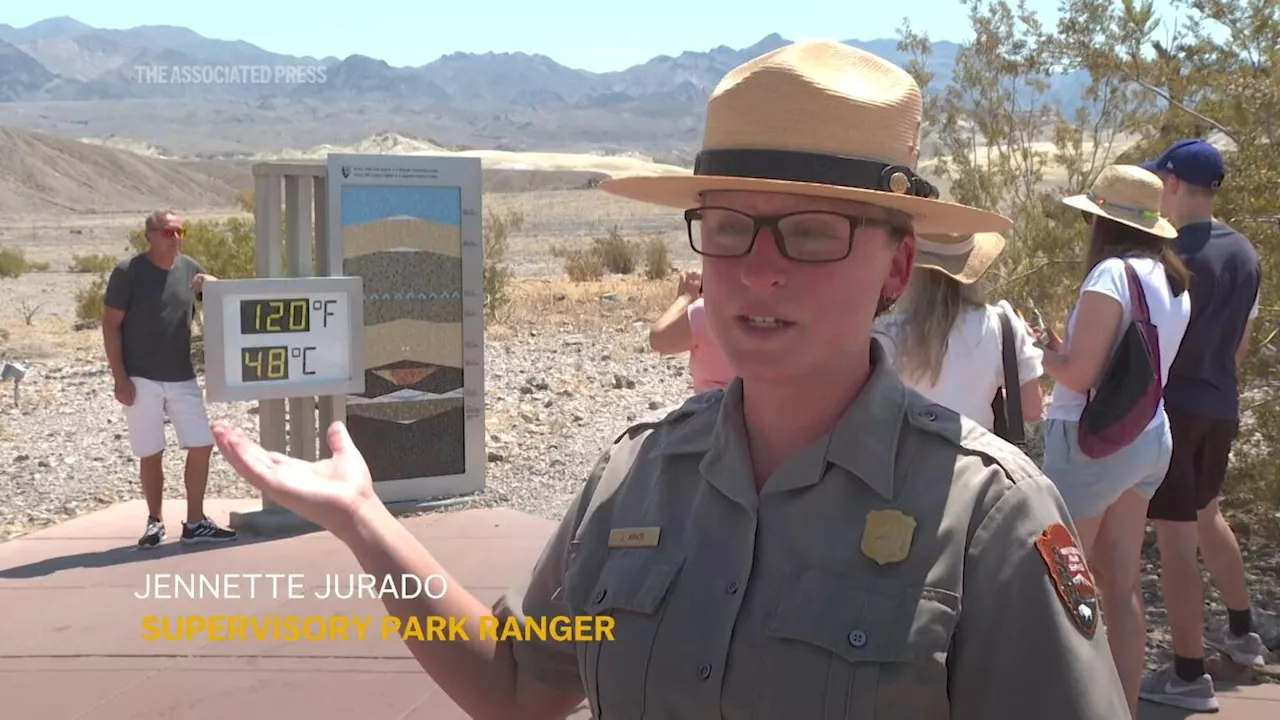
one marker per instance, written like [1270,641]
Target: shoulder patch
[1069,573]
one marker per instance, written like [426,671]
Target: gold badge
[898,182]
[634,537]
[887,536]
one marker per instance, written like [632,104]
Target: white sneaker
[1245,650]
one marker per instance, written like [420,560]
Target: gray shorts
[1090,486]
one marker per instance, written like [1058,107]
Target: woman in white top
[1108,496]
[945,340]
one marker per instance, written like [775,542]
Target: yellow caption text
[318,628]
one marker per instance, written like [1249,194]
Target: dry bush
[29,310]
[615,252]
[583,266]
[13,263]
[497,231]
[657,261]
[611,254]
[90,300]
[99,263]
[617,302]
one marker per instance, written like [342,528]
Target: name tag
[634,537]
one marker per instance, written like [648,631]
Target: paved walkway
[73,645]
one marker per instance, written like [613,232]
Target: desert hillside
[42,173]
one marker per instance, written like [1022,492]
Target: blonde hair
[927,311]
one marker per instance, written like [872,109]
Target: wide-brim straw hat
[1128,195]
[818,118]
[964,258]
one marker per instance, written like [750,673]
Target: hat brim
[1158,227]
[928,216]
[966,267]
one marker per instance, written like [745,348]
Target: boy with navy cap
[1192,161]
[1202,398]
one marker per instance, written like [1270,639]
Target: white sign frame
[218,327]
[465,174]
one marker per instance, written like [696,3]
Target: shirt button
[704,672]
[600,595]
[732,587]
[857,638]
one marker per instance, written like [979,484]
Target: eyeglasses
[808,236]
[172,232]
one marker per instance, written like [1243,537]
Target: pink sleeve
[697,314]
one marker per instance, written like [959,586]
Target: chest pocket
[877,650]
[630,587]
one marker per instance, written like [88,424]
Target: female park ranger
[814,541]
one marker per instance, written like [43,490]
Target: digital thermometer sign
[271,338]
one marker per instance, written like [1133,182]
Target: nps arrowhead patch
[1069,573]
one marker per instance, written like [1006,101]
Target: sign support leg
[267,201]
[298,243]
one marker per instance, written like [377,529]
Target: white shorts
[181,402]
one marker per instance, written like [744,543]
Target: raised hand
[690,285]
[330,493]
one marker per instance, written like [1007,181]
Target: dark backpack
[1007,404]
[1128,393]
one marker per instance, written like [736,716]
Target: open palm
[329,492]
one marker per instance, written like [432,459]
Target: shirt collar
[863,442]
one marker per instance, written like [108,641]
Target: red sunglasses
[172,232]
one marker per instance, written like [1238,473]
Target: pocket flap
[862,620]
[634,580]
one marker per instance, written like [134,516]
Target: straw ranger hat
[964,258]
[816,118]
[1128,195]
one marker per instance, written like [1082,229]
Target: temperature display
[288,315]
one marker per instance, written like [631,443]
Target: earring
[884,305]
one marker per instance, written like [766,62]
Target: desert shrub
[657,261]
[580,264]
[90,299]
[497,274]
[99,263]
[583,266]
[615,252]
[13,263]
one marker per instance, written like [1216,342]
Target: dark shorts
[1198,468]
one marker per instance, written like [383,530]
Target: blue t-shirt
[1225,277]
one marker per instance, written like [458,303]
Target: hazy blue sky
[577,33]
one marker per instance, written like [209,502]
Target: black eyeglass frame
[771,221]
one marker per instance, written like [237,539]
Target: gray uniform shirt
[963,598]
[158,306]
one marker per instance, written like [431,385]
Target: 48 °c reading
[272,362]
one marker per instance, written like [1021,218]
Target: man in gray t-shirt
[146,327]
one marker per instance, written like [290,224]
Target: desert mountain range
[68,78]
